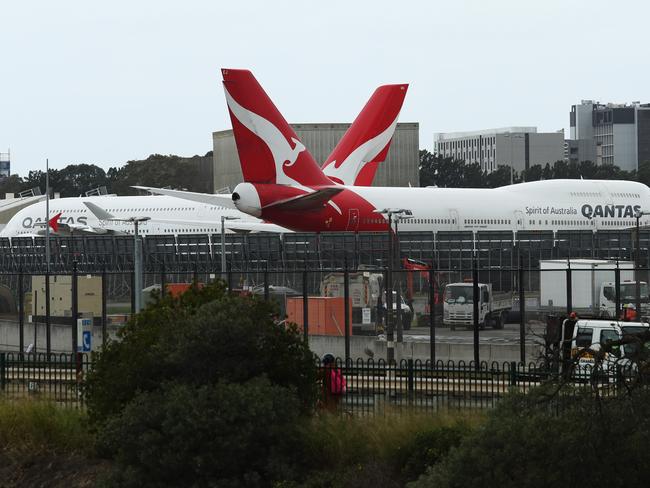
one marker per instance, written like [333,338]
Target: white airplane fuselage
[542,205]
[168,216]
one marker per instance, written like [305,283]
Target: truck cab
[584,337]
[627,294]
[458,307]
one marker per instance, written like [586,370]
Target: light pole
[223,240]
[637,262]
[404,215]
[137,260]
[390,332]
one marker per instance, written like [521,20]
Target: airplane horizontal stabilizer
[210,199]
[308,201]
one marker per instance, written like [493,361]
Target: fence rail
[265,250]
[380,388]
[372,387]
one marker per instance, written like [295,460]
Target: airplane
[364,145]
[284,185]
[167,216]
[356,157]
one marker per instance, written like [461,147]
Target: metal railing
[371,387]
[55,377]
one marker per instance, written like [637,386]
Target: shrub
[200,338]
[213,435]
[524,444]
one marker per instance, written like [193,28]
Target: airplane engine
[247,199]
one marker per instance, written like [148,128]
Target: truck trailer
[593,287]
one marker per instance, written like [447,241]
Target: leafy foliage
[524,444]
[205,389]
[204,336]
[225,434]
[455,173]
[194,174]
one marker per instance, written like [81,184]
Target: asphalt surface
[508,335]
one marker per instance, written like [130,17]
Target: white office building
[611,133]
[517,147]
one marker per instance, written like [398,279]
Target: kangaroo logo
[283,154]
[347,171]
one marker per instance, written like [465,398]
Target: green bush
[526,445]
[213,435]
[200,338]
[202,390]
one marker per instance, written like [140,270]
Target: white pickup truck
[458,307]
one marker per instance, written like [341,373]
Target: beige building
[399,169]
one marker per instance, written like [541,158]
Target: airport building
[518,147]
[399,169]
[610,133]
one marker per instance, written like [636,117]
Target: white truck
[458,306]
[593,287]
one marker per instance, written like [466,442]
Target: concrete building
[518,147]
[399,169]
[610,133]
[5,165]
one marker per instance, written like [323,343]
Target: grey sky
[105,82]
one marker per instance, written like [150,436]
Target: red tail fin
[269,150]
[364,146]
[54,222]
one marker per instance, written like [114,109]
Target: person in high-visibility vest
[629,313]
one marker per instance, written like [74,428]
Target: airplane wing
[99,212]
[308,201]
[221,200]
[233,225]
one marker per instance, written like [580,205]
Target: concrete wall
[546,148]
[61,336]
[399,169]
[419,350]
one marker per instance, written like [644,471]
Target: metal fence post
[569,291]
[163,280]
[411,376]
[476,310]
[522,313]
[75,306]
[346,299]
[432,317]
[48,343]
[104,297]
[21,312]
[513,373]
[305,307]
[3,369]
[229,277]
[266,283]
[617,285]
[133,293]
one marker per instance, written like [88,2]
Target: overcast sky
[105,82]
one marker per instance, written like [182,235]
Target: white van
[593,334]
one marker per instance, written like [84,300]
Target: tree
[643,174]
[205,388]
[11,184]
[500,177]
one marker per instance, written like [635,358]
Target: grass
[344,443]
[38,427]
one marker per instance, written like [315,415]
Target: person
[334,384]
[629,313]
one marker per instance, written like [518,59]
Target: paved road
[508,335]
